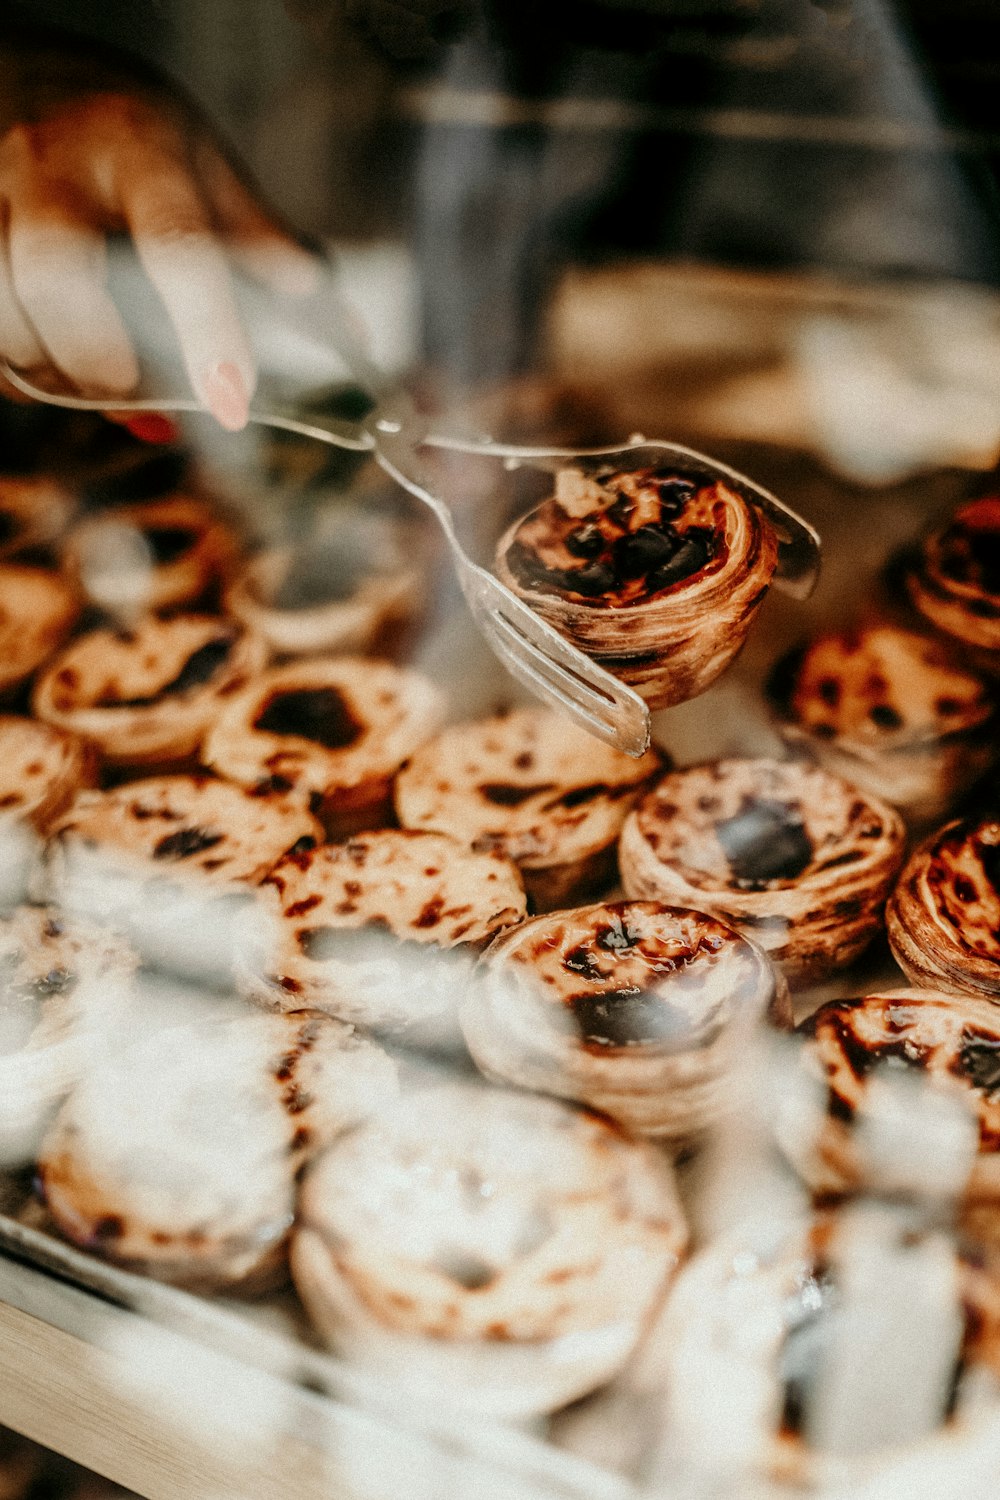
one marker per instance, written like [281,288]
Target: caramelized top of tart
[619,539]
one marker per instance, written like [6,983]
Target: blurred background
[767,219]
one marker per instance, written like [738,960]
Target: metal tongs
[301,348]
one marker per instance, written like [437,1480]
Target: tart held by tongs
[304,348]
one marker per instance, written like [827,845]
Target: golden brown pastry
[334,731]
[499,1251]
[351,609]
[41,769]
[792,856]
[655,574]
[192,825]
[169,860]
[955,582]
[37,611]
[533,786]
[148,695]
[943,918]
[953,1040]
[636,1009]
[176,1153]
[33,511]
[365,928]
[183,549]
[894,712]
[63,984]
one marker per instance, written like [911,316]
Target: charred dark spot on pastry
[317,714]
[839,1107]
[989,858]
[11,799]
[186,842]
[849,857]
[674,491]
[271,784]
[969,550]
[581,961]
[296,1099]
[591,580]
[468,1270]
[53,927]
[143,813]
[697,548]
[524,761]
[9,527]
[979,1062]
[985,609]
[586,542]
[885,716]
[430,916]
[199,669]
[302,846]
[508,794]
[964,889]
[291,985]
[301,1138]
[110,1227]
[168,543]
[829,691]
[636,553]
[620,559]
[946,708]
[299,908]
[616,936]
[764,842]
[578,796]
[628,1017]
[285,1066]
[862,1057]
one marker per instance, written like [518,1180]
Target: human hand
[143,165]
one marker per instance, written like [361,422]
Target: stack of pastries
[305,975]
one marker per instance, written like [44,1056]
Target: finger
[187,265]
[264,250]
[18,343]
[57,263]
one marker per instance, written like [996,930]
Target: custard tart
[795,858]
[656,574]
[533,786]
[498,1251]
[148,695]
[635,1009]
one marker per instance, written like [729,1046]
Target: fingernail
[152,428]
[225,394]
